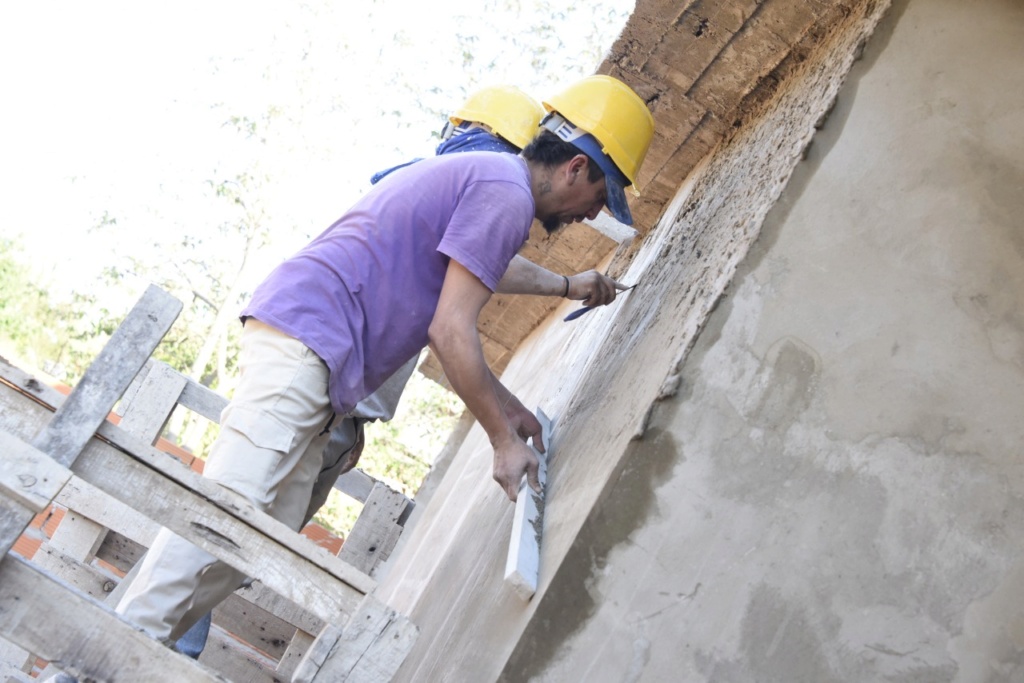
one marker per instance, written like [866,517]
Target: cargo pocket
[260,427]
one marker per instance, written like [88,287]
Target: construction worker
[413,262]
[493,119]
[500,118]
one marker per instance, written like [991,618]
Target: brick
[687,50]
[493,311]
[675,116]
[650,19]
[661,190]
[598,252]
[788,20]
[571,242]
[645,217]
[696,148]
[752,55]
[537,253]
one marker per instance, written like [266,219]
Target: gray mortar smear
[538,522]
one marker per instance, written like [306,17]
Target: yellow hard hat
[609,110]
[507,110]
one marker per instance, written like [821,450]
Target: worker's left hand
[525,423]
[512,460]
[593,288]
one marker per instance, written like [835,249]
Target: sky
[117,115]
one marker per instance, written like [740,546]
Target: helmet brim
[615,182]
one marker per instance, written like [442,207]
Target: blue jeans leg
[193,641]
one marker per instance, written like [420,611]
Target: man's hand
[523,421]
[512,459]
[593,288]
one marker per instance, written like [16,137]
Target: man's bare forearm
[526,277]
[523,276]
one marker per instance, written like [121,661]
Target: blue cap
[615,181]
[474,139]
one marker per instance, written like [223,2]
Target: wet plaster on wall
[610,368]
[961,253]
[845,502]
[684,267]
[573,597]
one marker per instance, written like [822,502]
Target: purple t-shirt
[362,294]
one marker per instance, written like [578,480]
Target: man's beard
[551,223]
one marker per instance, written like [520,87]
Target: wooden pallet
[310,614]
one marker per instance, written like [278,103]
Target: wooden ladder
[310,616]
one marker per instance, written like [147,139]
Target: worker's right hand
[593,288]
[512,459]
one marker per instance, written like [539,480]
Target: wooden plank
[133,388]
[15,657]
[15,516]
[370,649]
[25,383]
[120,551]
[77,536]
[356,484]
[14,519]
[384,655]
[297,648]
[241,511]
[254,625]
[236,662]
[317,654]
[268,552]
[203,400]
[27,475]
[376,530]
[298,579]
[102,508]
[10,674]
[29,479]
[283,608]
[522,566]
[194,396]
[247,538]
[93,642]
[147,413]
[82,577]
[108,376]
[124,553]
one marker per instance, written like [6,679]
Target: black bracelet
[566,294]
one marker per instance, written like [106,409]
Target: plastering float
[522,568]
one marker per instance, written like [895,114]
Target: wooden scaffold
[309,616]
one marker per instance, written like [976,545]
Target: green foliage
[19,296]
[401,451]
[58,337]
[338,513]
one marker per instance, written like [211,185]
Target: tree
[59,337]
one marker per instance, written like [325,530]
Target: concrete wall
[820,479]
